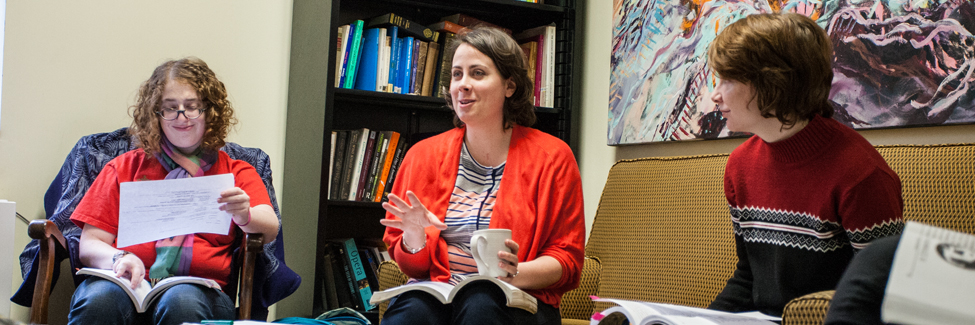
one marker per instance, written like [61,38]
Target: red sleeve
[247,179]
[869,208]
[99,207]
[560,205]
[413,265]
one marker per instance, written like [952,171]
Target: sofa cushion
[662,231]
[938,183]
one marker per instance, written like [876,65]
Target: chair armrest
[576,304]
[51,240]
[252,245]
[389,276]
[809,309]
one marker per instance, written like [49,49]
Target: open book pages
[646,313]
[446,292]
[144,294]
[932,280]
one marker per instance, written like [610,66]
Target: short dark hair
[195,73]
[510,62]
[785,57]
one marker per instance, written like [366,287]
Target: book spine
[407,64]
[369,60]
[349,278]
[447,26]
[394,55]
[549,86]
[400,151]
[328,281]
[351,71]
[340,50]
[358,274]
[415,66]
[383,68]
[352,148]
[443,79]
[370,267]
[407,27]
[374,165]
[364,167]
[539,68]
[387,163]
[331,158]
[428,68]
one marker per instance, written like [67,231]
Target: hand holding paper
[153,210]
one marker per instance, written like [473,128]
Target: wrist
[119,255]
[239,224]
[417,249]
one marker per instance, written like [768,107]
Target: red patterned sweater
[800,208]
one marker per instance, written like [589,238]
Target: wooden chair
[259,270]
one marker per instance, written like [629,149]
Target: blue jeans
[477,303]
[99,301]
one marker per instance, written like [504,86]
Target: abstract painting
[896,63]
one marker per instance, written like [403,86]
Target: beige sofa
[662,231]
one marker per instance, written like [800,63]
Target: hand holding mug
[509,260]
[492,252]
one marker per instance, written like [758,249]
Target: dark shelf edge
[426,102]
[502,3]
[361,204]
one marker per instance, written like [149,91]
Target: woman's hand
[130,267]
[413,218]
[238,204]
[509,261]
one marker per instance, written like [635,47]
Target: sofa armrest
[577,304]
[389,276]
[809,309]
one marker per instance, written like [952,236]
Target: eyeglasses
[172,113]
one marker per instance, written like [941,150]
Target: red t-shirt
[211,252]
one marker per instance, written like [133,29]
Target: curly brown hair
[194,72]
[510,62]
[785,57]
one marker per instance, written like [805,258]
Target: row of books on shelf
[364,163]
[351,273]
[389,53]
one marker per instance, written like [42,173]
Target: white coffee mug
[485,245]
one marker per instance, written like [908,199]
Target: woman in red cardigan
[491,171]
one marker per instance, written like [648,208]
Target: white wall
[596,157]
[72,68]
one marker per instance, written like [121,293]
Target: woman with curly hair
[181,118]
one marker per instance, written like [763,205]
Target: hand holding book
[128,266]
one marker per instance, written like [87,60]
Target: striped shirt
[471,204]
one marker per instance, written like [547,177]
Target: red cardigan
[540,200]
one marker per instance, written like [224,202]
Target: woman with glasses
[180,119]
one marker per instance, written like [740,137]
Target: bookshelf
[414,117]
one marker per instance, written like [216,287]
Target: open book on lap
[446,292]
[648,313]
[145,294]
[932,280]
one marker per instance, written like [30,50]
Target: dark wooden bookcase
[414,117]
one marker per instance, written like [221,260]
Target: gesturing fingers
[397,201]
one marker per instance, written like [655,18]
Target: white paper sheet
[153,210]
